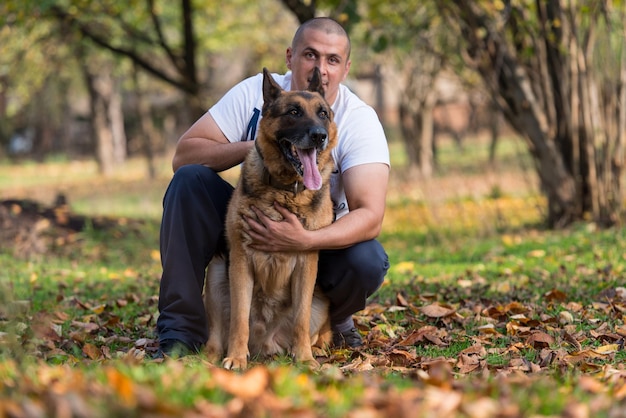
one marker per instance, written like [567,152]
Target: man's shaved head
[322,24]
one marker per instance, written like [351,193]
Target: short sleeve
[234,110]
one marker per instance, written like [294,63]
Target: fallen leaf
[417,335]
[401,301]
[607,349]
[591,385]
[566,317]
[92,351]
[537,253]
[249,385]
[436,310]
[555,295]
[573,341]
[402,358]
[123,386]
[539,339]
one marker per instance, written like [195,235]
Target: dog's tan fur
[274,306]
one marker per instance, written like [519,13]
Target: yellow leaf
[537,253]
[99,309]
[607,349]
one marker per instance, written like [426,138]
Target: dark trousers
[192,231]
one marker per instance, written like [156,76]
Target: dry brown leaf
[540,339]
[86,326]
[580,356]
[416,336]
[92,351]
[442,403]
[591,385]
[515,308]
[249,385]
[436,310]
[573,341]
[402,357]
[401,301]
[481,408]
[358,365]
[468,363]
[476,349]
[555,295]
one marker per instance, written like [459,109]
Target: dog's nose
[318,135]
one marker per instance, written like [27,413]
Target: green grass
[72,319]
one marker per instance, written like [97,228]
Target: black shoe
[347,339]
[175,349]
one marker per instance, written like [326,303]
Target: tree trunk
[101,87]
[148,132]
[553,98]
[115,115]
[417,102]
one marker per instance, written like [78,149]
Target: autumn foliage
[473,320]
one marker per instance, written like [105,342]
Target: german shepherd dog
[274,306]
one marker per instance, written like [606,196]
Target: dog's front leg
[302,290]
[241,286]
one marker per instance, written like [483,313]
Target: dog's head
[297,132]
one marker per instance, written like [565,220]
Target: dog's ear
[271,89]
[316,82]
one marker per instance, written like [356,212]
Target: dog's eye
[322,114]
[294,111]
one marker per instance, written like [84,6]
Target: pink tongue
[312,178]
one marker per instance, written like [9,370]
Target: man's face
[328,52]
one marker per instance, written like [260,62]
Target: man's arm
[366,189]
[204,143]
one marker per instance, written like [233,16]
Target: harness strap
[251,129]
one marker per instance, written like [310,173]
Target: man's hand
[268,235]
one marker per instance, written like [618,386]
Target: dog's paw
[305,356]
[311,363]
[235,363]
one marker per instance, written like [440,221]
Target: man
[352,263]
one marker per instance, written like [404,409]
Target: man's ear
[316,82]
[271,89]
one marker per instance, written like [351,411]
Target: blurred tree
[557,69]
[185,45]
[28,55]
[409,33]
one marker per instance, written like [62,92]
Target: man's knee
[194,174]
[368,263]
